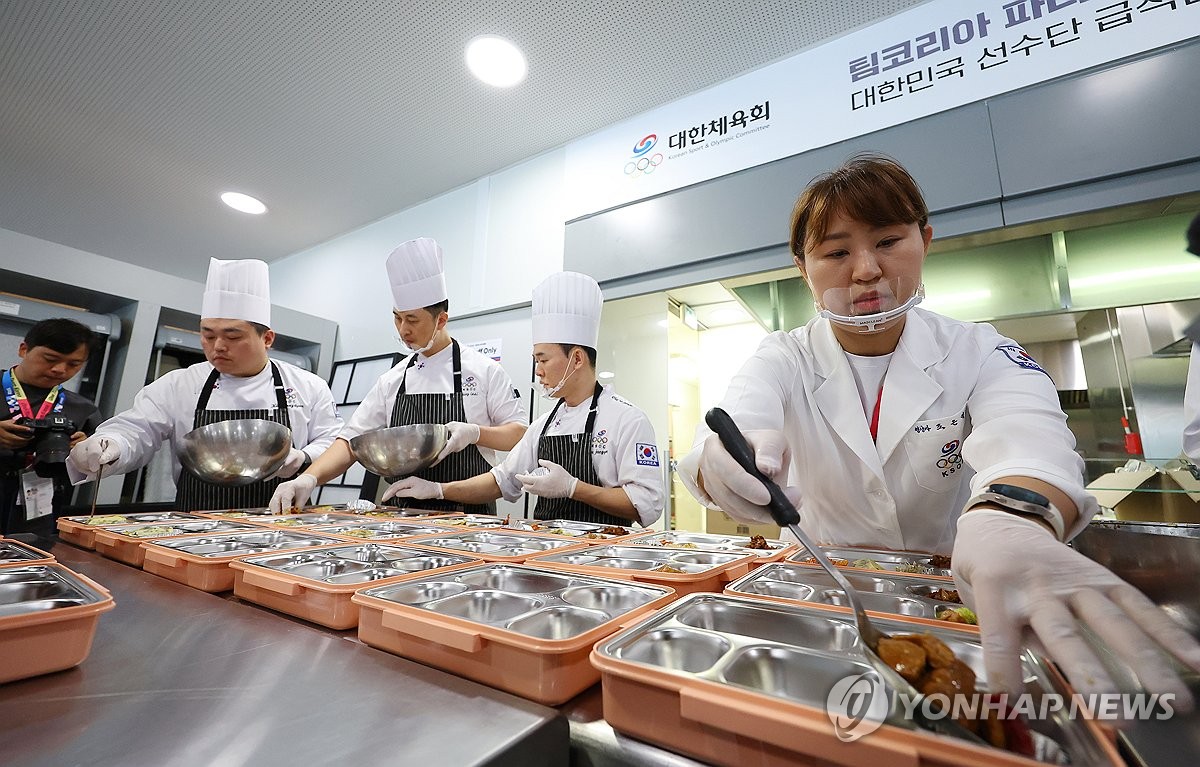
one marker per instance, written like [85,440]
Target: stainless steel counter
[177,677]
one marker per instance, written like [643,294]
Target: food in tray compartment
[359,533]
[613,530]
[931,666]
[231,514]
[150,531]
[916,568]
[867,564]
[107,519]
[593,536]
[288,522]
[558,531]
[837,561]
[940,561]
[667,569]
[958,615]
[946,595]
[758,542]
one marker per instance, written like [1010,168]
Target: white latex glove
[738,494]
[461,435]
[89,455]
[555,482]
[292,494]
[1015,574]
[291,465]
[413,487]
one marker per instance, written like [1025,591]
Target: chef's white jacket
[489,397]
[962,406]
[163,411]
[624,451]
[1191,407]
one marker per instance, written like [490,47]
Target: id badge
[37,494]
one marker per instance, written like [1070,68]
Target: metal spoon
[99,473]
[786,515]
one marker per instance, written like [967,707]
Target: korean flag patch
[1021,357]
[647,454]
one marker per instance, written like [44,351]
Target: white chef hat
[237,290]
[566,310]
[415,272]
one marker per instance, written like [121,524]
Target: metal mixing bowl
[399,451]
[236,452]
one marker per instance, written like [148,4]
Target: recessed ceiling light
[243,202]
[495,61]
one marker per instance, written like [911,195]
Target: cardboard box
[1150,495]
[717,522]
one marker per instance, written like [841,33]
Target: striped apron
[440,408]
[193,493]
[573,452]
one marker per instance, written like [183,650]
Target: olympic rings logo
[643,163]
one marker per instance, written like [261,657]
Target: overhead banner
[926,60]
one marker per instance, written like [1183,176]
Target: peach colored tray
[211,573]
[549,671]
[731,725]
[40,642]
[499,545]
[79,531]
[715,542]
[319,601]
[711,575]
[23,554]
[112,543]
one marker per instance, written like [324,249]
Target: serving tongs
[786,515]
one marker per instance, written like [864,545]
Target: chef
[593,457]
[895,427]
[237,381]
[439,382]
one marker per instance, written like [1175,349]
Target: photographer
[39,422]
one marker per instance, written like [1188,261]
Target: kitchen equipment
[310,519]
[737,681]
[912,597]
[99,472]
[570,528]
[17,554]
[203,562]
[683,570]
[378,530]
[81,530]
[481,521]
[499,545]
[236,452]
[124,542]
[399,451]
[878,560]
[317,584]
[775,550]
[522,629]
[785,514]
[48,618]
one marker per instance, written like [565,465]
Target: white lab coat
[962,406]
[164,409]
[1191,407]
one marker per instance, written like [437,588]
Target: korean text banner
[932,58]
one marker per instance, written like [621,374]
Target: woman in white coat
[894,427]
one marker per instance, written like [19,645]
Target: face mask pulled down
[550,392]
[870,310]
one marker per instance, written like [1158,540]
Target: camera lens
[52,439]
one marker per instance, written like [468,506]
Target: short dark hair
[259,328]
[871,188]
[587,350]
[61,335]
[436,309]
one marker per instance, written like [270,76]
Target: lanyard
[875,415]
[18,403]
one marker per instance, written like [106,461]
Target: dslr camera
[51,440]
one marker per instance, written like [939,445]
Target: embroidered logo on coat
[470,386]
[647,454]
[1022,358]
[951,460]
[292,398]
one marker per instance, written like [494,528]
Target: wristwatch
[1025,502]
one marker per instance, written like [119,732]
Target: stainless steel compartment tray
[646,558]
[38,588]
[525,600]
[908,595]
[137,517]
[502,543]
[180,528]
[369,529]
[308,520]
[564,527]
[474,520]
[909,562]
[252,542]
[797,653]
[339,565]
[709,542]
[14,552]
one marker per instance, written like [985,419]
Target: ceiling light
[604,375]
[495,61]
[243,202]
[728,315]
